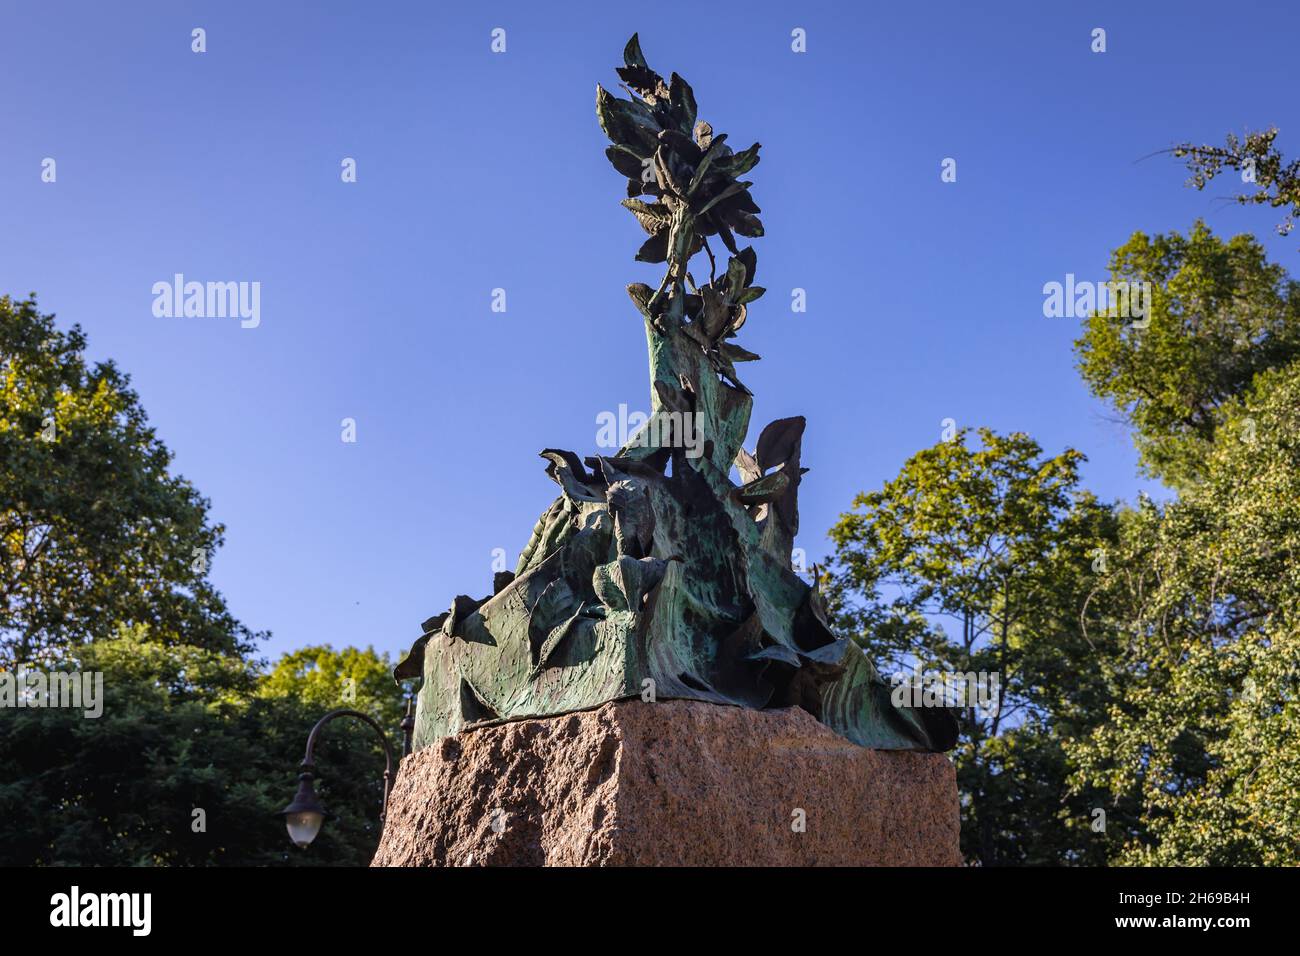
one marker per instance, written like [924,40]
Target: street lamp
[304,816]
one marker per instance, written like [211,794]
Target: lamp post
[408,726]
[304,816]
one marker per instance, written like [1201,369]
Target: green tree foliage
[187,728]
[1220,314]
[1268,178]
[324,678]
[1204,727]
[103,568]
[998,543]
[94,531]
[1150,654]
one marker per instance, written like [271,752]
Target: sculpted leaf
[644,81]
[626,123]
[739,201]
[735,278]
[620,130]
[642,187]
[696,332]
[626,161]
[724,368]
[745,224]
[666,174]
[728,239]
[682,98]
[779,441]
[683,146]
[632,55]
[716,315]
[641,293]
[762,490]
[739,315]
[711,153]
[735,353]
[750,258]
[743,161]
[653,217]
[654,249]
[732,190]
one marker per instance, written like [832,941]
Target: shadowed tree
[194,754]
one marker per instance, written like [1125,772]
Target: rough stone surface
[674,783]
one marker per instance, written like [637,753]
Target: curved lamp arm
[308,766]
[304,814]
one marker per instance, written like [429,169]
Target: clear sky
[479,170]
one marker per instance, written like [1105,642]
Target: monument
[655,603]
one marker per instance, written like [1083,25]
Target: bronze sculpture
[653,574]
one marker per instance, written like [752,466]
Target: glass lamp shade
[304,816]
[303,826]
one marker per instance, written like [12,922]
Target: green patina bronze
[653,574]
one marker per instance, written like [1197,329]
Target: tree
[321,677]
[192,757]
[999,542]
[1275,182]
[1219,314]
[103,569]
[94,530]
[1202,731]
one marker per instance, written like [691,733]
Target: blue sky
[478,171]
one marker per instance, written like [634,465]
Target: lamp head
[304,816]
